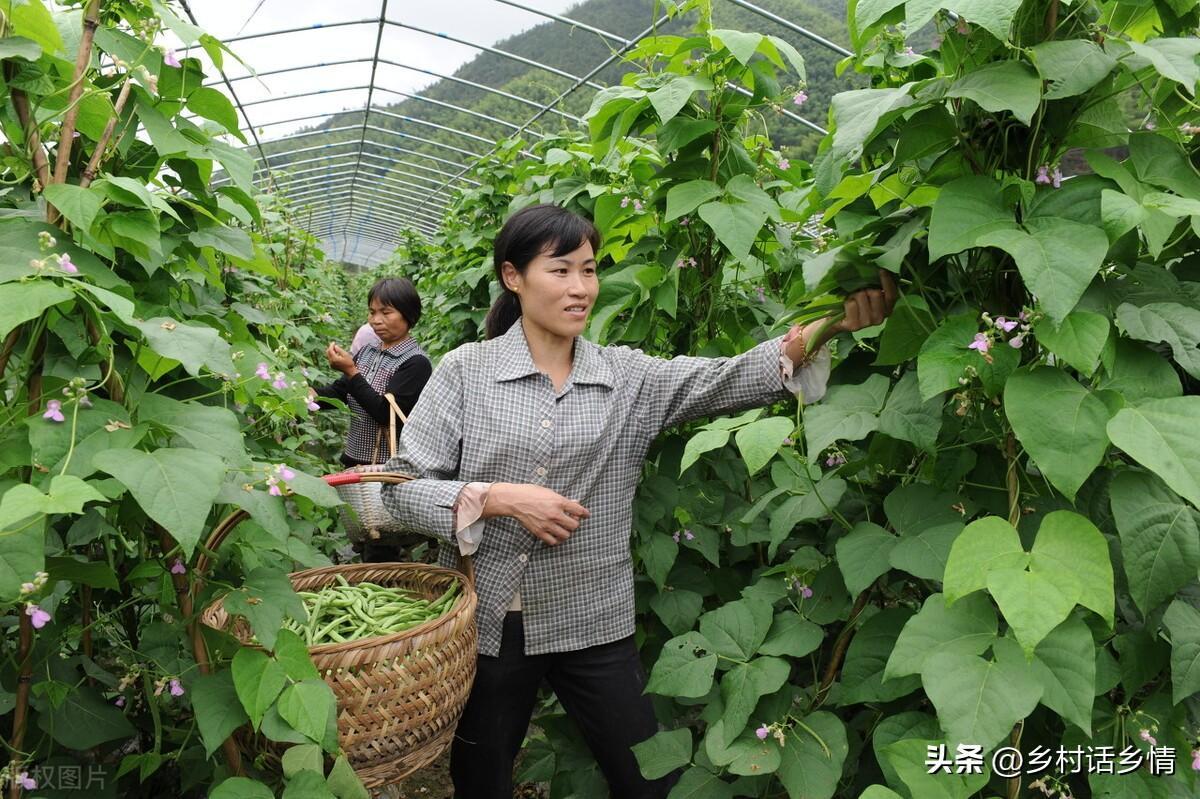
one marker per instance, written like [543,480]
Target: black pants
[601,689]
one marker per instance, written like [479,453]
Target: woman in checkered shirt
[527,449]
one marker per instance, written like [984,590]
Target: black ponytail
[530,232]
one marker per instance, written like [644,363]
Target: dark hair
[539,229]
[399,293]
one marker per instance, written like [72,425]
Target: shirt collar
[399,348]
[515,362]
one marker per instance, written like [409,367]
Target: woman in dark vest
[527,449]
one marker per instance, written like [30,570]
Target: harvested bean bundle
[342,611]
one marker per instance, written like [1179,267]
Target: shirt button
[540,471]
[522,557]
[545,423]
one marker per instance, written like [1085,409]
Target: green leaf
[77,204]
[225,239]
[704,441]
[683,198]
[1183,623]
[1160,538]
[292,654]
[1065,665]
[985,545]
[907,758]
[1169,322]
[736,225]
[205,427]
[905,330]
[968,627]
[863,555]
[258,681]
[666,751]
[858,113]
[737,629]
[863,678]
[303,757]
[907,418]
[84,720]
[1161,435]
[1033,604]
[24,301]
[241,788]
[268,511]
[967,210]
[66,494]
[742,45]
[1067,543]
[213,104]
[979,701]
[994,16]
[96,573]
[307,706]
[847,413]
[126,191]
[678,608]
[684,667]
[1002,86]
[264,600]
[1072,67]
[307,785]
[1059,423]
[344,783]
[742,687]
[1057,257]
[944,358]
[20,47]
[1173,58]
[791,635]
[700,783]
[1120,213]
[193,346]
[1077,341]
[175,487]
[745,189]
[657,552]
[879,792]
[218,711]
[812,761]
[760,441]
[670,98]
[1138,373]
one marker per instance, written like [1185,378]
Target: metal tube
[450,106]
[390,167]
[399,201]
[814,37]
[344,179]
[362,138]
[381,159]
[474,85]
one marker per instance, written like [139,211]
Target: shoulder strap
[393,412]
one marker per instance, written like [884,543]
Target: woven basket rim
[465,602]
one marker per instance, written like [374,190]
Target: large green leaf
[737,629]
[979,701]
[205,427]
[1059,423]
[1169,322]
[258,680]
[986,545]
[670,98]
[1069,544]
[700,783]
[907,759]
[213,104]
[218,710]
[1160,538]
[863,555]
[994,16]
[24,301]
[1183,623]
[1173,58]
[683,198]
[66,494]
[928,521]
[905,331]
[909,418]
[307,706]
[1161,435]
[85,720]
[1057,257]
[736,225]
[944,359]
[863,674]
[264,600]
[20,47]
[812,761]
[175,487]
[1033,604]
[1138,373]
[684,667]
[1072,66]
[1002,86]
[241,788]
[965,211]
[741,44]
[678,608]
[858,113]
[760,440]
[968,627]
[791,635]
[847,413]
[79,205]
[1077,341]
[742,687]
[702,442]
[664,752]
[1065,665]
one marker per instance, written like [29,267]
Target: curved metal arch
[480,86]
[452,107]
[286,70]
[405,221]
[400,189]
[389,165]
[281,97]
[382,160]
[434,158]
[341,192]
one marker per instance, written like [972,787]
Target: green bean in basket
[343,611]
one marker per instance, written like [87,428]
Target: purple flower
[961,26]
[762,295]
[637,205]
[273,490]
[177,567]
[38,616]
[836,459]
[26,782]
[312,406]
[687,534]
[624,202]
[1024,317]
[909,51]
[119,701]
[1148,738]
[285,472]
[805,591]
[84,402]
[800,98]
[1056,178]
[762,732]
[1016,342]
[1004,324]
[176,688]
[1196,760]
[785,164]
[261,371]
[1150,124]
[1043,175]
[54,411]
[981,343]
[280,381]
[683,221]
[170,59]
[675,536]
[64,263]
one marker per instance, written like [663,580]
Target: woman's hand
[547,515]
[863,308]
[340,359]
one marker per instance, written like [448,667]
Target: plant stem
[62,156]
[839,649]
[89,172]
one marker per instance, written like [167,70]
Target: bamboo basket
[399,696]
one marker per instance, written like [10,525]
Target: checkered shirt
[377,366]
[487,414]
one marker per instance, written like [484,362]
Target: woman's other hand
[341,360]
[547,515]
